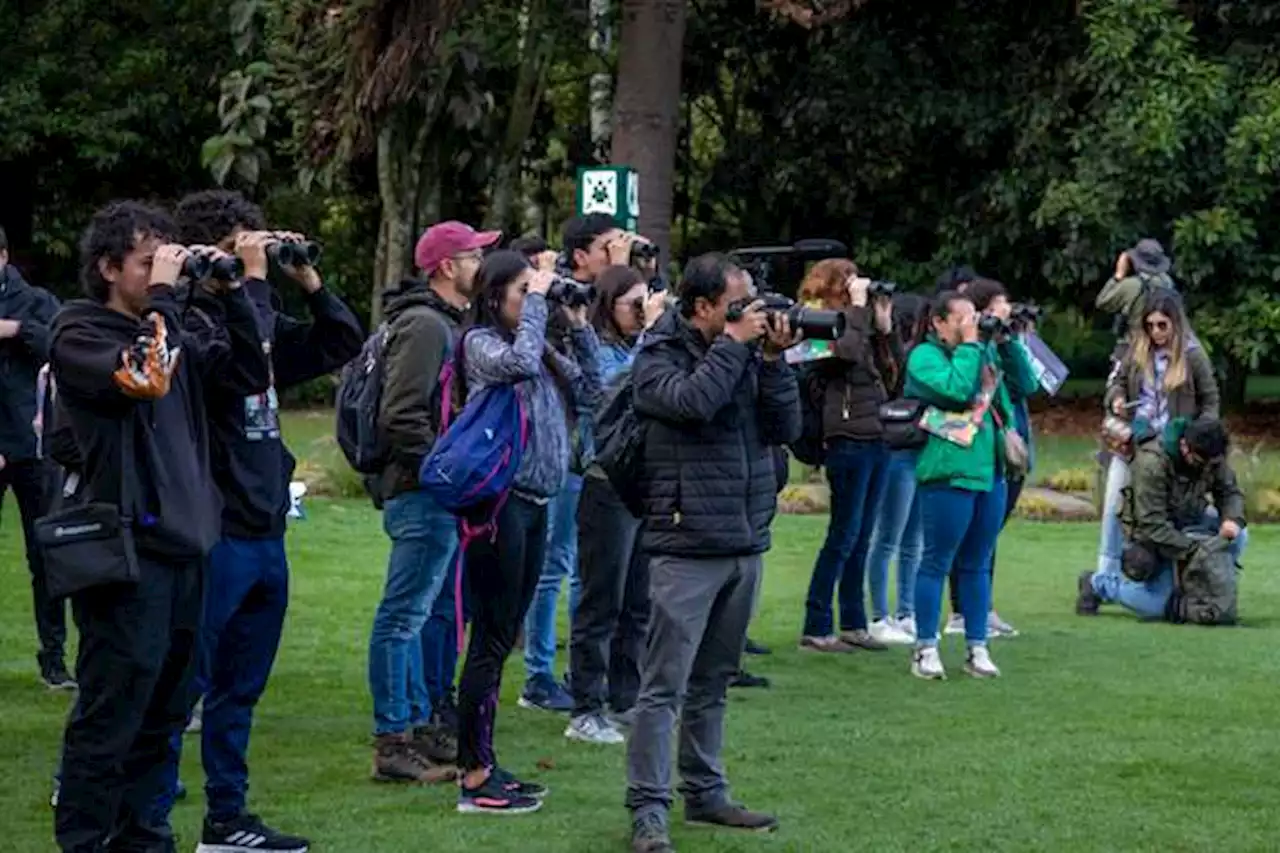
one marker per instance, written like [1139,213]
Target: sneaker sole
[573,735]
[471,808]
[979,674]
[240,848]
[534,706]
[438,775]
[756,830]
[927,676]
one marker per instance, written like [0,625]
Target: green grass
[1104,734]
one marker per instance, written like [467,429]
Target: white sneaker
[593,728]
[926,664]
[997,627]
[888,633]
[979,664]
[955,625]
[907,625]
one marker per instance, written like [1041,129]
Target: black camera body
[816,324]
[642,252]
[991,326]
[882,288]
[1026,312]
[571,293]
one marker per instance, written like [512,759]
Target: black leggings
[1011,501]
[502,574]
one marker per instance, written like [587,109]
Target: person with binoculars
[137,392]
[248,571]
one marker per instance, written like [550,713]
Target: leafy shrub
[1076,480]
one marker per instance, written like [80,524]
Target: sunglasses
[1159,325]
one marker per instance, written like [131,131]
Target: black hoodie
[251,465]
[21,358]
[173,501]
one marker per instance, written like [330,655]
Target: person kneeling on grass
[1168,522]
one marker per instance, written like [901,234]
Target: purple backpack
[473,465]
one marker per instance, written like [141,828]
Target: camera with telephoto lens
[570,293]
[642,252]
[990,326]
[1024,314]
[816,323]
[289,254]
[882,288]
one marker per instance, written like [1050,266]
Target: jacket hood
[412,293]
[87,313]
[1173,433]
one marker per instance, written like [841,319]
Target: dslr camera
[1025,314]
[816,324]
[882,288]
[990,326]
[571,293]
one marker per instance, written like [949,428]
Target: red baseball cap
[446,239]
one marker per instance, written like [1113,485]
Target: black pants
[1015,490]
[32,481]
[612,618]
[502,573]
[136,665]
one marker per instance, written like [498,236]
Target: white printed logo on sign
[633,194]
[600,191]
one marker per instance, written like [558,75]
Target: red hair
[826,283]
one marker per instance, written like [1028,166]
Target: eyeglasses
[476,255]
[1158,325]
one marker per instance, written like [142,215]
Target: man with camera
[248,572]
[714,404]
[25,315]
[132,385]
[592,244]
[414,638]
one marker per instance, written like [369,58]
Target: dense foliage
[1032,140]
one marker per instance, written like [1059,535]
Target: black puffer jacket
[21,358]
[866,364]
[713,413]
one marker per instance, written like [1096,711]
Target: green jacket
[1164,497]
[1019,376]
[1127,296]
[949,380]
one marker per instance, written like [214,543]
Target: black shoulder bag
[90,543]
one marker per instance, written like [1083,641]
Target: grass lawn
[1103,735]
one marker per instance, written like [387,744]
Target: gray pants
[701,608]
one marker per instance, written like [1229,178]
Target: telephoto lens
[991,326]
[197,267]
[570,293]
[642,252]
[882,288]
[817,324]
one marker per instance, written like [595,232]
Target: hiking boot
[926,664]
[746,679]
[861,639]
[997,627]
[1087,601]
[831,645]
[593,728]
[248,834]
[887,632]
[395,760]
[53,672]
[731,816]
[437,744]
[445,714]
[542,693]
[492,797]
[754,648]
[979,664]
[649,835]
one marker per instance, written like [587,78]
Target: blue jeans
[424,542]
[856,474]
[561,562]
[896,534]
[440,638]
[960,528]
[245,598]
[1111,546]
[1149,600]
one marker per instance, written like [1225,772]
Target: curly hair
[825,283]
[207,218]
[114,231]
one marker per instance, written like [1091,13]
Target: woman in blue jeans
[864,363]
[897,534]
[961,478]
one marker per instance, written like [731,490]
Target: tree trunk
[601,85]
[1233,385]
[400,155]
[647,107]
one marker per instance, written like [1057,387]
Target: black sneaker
[649,835]
[543,693]
[746,679]
[494,797]
[532,790]
[248,834]
[53,672]
[754,648]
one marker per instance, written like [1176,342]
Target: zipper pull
[675,519]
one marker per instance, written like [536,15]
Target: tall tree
[647,106]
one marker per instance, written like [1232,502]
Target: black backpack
[809,448]
[358,402]
[620,434]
